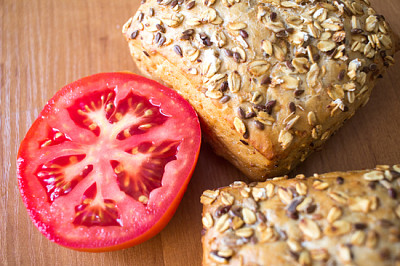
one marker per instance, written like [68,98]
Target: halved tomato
[107,161]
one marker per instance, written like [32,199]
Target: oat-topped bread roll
[340,218]
[270,79]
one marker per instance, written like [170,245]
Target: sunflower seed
[304,205]
[338,197]
[305,258]
[244,232]
[334,214]
[310,228]
[222,223]
[237,222]
[285,195]
[259,193]
[207,220]
[270,190]
[312,119]
[374,176]
[225,253]
[294,245]
[344,253]
[319,185]
[338,228]
[214,256]
[301,188]
[358,204]
[268,235]
[249,217]
[319,254]
[358,238]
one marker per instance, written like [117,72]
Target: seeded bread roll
[340,218]
[271,80]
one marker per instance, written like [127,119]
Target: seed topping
[290,64]
[310,228]
[134,34]
[178,50]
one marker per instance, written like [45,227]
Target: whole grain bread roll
[271,80]
[340,218]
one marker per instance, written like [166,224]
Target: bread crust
[289,85]
[339,218]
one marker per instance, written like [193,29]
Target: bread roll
[271,80]
[339,218]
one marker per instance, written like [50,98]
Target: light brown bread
[340,218]
[271,80]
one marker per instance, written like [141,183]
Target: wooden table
[46,44]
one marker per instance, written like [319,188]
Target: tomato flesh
[107,161]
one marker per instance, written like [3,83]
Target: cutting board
[46,44]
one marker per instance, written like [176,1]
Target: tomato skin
[35,199]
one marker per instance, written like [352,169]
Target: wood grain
[48,43]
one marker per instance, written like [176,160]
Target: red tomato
[107,161]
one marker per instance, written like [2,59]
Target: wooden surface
[49,43]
